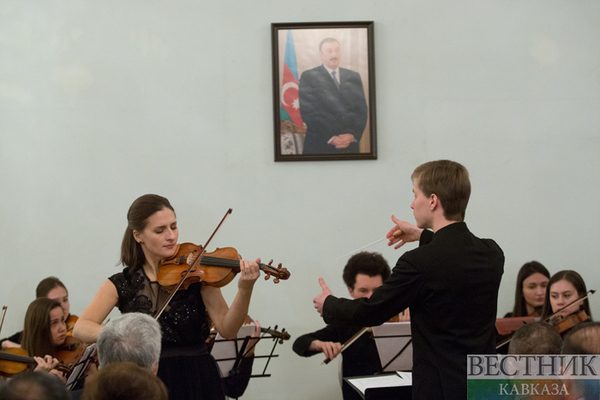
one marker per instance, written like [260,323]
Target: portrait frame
[335,117]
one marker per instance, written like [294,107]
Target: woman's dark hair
[46,285]
[132,255]
[37,337]
[528,269]
[578,283]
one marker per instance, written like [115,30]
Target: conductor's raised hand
[320,299]
[403,233]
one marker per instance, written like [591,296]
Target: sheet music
[224,349]
[388,347]
[379,381]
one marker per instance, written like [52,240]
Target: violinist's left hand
[47,364]
[320,299]
[249,273]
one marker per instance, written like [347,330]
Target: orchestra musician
[363,273]
[185,366]
[450,282]
[563,288]
[43,333]
[530,291]
[51,288]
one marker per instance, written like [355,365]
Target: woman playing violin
[51,288]
[563,288]
[186,367]
[532,281]
[44,332]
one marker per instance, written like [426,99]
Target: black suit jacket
[329,111]
[451,285]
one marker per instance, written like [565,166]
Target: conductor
[450,282]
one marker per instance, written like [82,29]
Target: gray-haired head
[131,337]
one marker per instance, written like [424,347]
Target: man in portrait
[332,104]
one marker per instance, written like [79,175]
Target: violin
[15,360]
[217,268]
[275,335]
[70,352]
[563,324]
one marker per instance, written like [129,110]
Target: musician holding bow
[363,273]
[185,366]
[450,282]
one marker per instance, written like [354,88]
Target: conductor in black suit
[450,282]
[332,104]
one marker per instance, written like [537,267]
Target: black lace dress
[186,367]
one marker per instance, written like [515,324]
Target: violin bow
[350,341]
[582,297]
[192,265]
[4,308]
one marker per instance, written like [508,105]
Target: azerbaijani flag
[290,104]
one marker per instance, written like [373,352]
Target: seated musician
[532,281]
[44,332]
[563,288]
[363,273]
[51,288]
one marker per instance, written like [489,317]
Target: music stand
[389,386]
[77,377]
[229,353]
[394,345]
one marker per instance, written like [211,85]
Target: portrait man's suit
[329,111]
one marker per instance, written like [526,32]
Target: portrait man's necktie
[335,79]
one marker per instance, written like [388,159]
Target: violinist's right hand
[407,233]
[330,349]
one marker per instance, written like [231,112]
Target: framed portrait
[324,91]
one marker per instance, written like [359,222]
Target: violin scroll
[278,273]
[280,336]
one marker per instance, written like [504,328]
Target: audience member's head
[583,339]
[124,381]
[535,338]
[34,386]
[365,272]
[133,337]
